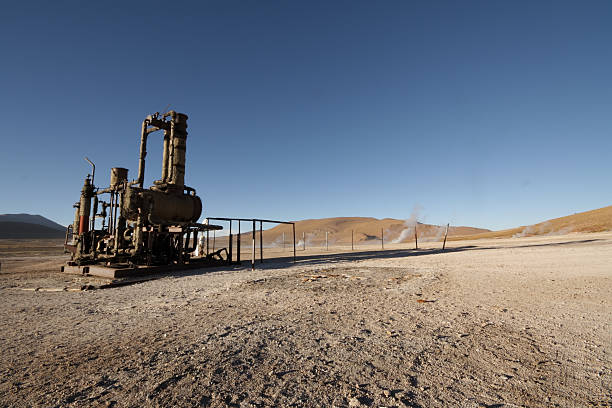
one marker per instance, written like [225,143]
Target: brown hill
[365,230]
[589,221]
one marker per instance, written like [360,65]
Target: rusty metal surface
[127,223]
[112,272]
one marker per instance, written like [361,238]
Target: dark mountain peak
[32,219]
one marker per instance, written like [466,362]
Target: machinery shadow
[318,259]
[283,262]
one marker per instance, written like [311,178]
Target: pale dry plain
[488,323]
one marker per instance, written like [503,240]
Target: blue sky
[490,114]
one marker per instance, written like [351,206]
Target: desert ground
[486,323]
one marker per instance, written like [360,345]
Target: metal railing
[254,222]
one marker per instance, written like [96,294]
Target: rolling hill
[589,221]
[365,230]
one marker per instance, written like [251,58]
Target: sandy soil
[498,323]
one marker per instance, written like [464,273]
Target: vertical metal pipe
[110,213]
[94,210]
[382,238]
[326,241]
[75,223]
[93,172]
[103,227]
[213,241]
[166,157]
[260,242]
[230,256]
[416,240]
[187,243]
[352,241]
[304,240]
[150,246]
[180,246]
[115,215]
[283,242]
[294,257]
[143,153]
[238,244]
[253,254]
[196,242]
[178,142]
[207,238]
[85,206]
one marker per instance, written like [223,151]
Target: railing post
[253,255]
[238,245]
[230,256]
[260,242]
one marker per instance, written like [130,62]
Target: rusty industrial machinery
[141,227]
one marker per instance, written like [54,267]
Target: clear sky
[492,114]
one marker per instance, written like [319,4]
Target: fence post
[445,234]
[352,241]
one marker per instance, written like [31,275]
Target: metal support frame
[254,222]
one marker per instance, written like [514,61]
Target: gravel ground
[499,323]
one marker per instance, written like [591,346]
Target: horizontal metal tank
[160,207]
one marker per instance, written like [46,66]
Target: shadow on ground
[327,259]
[318,259]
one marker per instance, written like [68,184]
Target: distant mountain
[32,219]
[12,230]
[14,226]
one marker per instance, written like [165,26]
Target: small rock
[354,402]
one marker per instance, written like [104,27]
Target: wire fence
[286,239]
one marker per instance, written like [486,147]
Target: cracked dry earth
[504,323]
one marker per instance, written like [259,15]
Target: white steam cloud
[410,224]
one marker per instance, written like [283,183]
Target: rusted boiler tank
[140,226]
